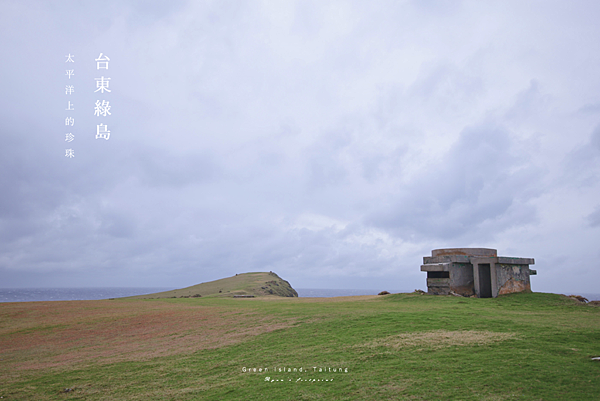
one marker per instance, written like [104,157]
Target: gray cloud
[594,217]
[333,143]
[478,180]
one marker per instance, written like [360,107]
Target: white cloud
[333,142]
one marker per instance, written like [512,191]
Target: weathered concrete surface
[515,261]
[461,279]
[436,267]
[514,286]
[465,252]
[476,271]
[512,278]
[446,259]
[438,286]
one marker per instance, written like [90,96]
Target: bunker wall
[512,278]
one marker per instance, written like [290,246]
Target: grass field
[401,346]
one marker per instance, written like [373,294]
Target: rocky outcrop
[278,287]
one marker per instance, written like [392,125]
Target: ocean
[74,294]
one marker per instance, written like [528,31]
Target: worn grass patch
[76,333]
[439,339]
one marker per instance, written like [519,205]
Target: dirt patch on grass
[38,335]
[348,298]
[439,339]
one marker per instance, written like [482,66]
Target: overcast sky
[335,143]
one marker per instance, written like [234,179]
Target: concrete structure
[476,271]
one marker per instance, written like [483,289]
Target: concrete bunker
[476,271]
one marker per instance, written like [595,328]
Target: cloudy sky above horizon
[333,142]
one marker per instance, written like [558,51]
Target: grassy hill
[393,347]
[258,284]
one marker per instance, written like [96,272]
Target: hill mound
[258,284]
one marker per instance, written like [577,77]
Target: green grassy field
[401,346]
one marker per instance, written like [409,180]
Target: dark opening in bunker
[438,274]
[485,281]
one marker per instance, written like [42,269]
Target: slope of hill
[258,284]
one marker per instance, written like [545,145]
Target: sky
[335,143]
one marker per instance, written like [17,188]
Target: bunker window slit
[438,274]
